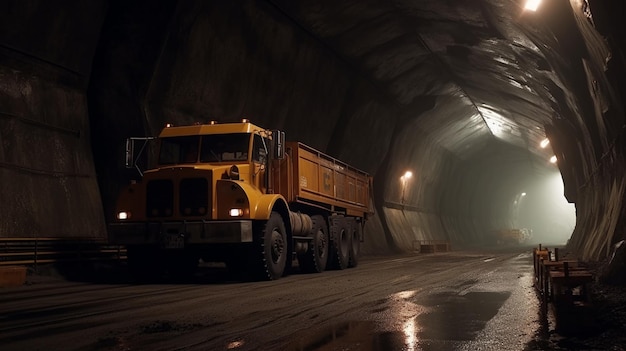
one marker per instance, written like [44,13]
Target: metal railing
[34,251]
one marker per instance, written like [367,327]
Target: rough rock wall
[589,139]
[48,185]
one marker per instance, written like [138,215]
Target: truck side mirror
[278,141]
[133,153]
[130,153]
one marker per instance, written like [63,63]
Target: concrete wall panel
[49,186]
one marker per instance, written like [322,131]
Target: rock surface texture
[461,93]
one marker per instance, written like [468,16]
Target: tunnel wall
[427,206]
[588,135]
[48,185]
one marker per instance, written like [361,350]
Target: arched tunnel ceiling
[474,55]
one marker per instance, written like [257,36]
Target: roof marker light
[168,125]
[245,120]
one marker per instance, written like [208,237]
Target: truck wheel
[340,248]
[355,244]
[316,257]
[271,244]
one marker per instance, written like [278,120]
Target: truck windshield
[225,147]
[213,148]
[175,150]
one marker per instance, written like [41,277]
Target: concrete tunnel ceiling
[460,92]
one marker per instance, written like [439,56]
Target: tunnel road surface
[442,301]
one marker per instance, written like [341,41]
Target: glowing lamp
[532,5]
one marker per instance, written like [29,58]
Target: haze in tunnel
[546,212]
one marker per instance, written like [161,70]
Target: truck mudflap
[176,235]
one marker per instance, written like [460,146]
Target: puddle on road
[459,317]
[442,319]
[354,335]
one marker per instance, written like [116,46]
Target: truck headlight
[123,215]
[235,212]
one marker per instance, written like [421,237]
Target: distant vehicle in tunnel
[239,194]
[512,236]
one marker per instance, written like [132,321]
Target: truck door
[260,156]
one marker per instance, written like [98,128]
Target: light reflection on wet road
[444,301]
[497,310]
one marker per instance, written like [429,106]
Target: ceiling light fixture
[544,143]
[532,5]
[553,159]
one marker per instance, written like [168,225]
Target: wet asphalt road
[442,301]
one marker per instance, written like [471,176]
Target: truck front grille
[159,198]
[194,197]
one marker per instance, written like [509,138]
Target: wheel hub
[278,245]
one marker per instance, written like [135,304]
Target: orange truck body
[316,178]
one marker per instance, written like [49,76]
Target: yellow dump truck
[239,194]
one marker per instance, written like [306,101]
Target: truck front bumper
[178,234]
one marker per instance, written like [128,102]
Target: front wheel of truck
[271,249]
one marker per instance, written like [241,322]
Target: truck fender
[268,203]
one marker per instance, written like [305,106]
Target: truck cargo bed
[324,180]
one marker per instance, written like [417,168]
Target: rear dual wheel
[346,243]
[355,244]
[340,244]
[315,258]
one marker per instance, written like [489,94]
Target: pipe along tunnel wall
[84,76]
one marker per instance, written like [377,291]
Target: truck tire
[316,257]
[340,247]
[355,243]
[271,248]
